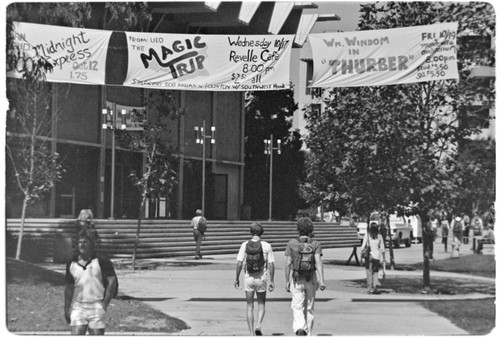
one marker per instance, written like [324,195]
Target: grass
[478,265]
[477,317]
[28,283]
[35,303]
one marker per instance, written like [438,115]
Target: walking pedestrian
[303,263]
[199,224]
[457,231]
[476,229]
[258,258]
[466,229]
[445,231]
[91,283]
[374,244]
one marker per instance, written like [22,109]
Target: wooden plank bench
[488,249]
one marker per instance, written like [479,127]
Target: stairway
[51,239]
[168,240]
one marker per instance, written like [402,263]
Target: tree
[269,112]
[159,176]
[375,148]
[36,168]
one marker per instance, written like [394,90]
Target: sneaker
[258,332]
[301,332]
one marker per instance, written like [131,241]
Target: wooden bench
[488,249]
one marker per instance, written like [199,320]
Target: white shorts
[258,284]
[91,314]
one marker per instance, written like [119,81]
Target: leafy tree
[269,112]
[159,176]
[35,166]
[374,148]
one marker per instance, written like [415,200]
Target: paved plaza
[201,293]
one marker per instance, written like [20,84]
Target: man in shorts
[258,257]
[91,283]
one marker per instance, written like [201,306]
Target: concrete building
[86,148]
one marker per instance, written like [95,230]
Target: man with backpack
[303,263]
[199,224]
[258,257]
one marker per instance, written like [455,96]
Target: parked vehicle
[400,231]
[361,228]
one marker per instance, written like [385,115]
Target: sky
[347,10]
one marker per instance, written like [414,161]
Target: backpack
[476,227]
[202,225]
[255,256]
[305,262]
[457,226]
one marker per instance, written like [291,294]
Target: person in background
[85,220]
[466,223]
[304,265]
[197,234]
[476,229]
[457,231]
[434,222]
[375,243]
[258,258]
[488,238]
[91,283]
[445,231]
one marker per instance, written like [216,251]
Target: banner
[384,57]
[208,62]
[77,54]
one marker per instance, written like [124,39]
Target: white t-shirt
[194,221]
[88,281]
[268,257]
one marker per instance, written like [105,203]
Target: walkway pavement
[201,293]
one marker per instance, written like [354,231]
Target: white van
[401,231]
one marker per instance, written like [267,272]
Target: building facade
[97,167]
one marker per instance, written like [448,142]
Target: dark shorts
[375,264]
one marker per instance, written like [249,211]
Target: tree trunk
[21,229]
[27,190]
[391,250]
[139,221]
[426,252]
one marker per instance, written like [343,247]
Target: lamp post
[201,134]
[111,122]
[269,149]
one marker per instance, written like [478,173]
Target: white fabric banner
[208,62]
[77,54]
[384,57]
